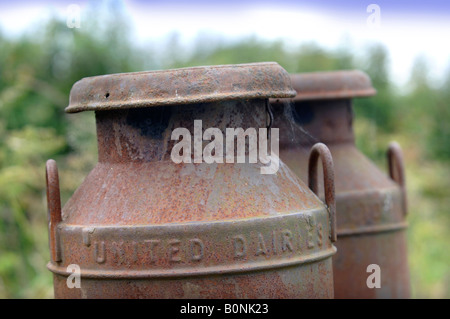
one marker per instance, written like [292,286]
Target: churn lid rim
[323,85]
[199,84]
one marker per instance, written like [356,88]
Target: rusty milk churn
[148,224]
[370,206]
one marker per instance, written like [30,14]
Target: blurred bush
[38,69]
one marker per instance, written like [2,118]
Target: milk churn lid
[332,85]
[180,86]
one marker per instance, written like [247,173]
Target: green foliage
[380,108]
[38,70]
[439,134]
[308,57]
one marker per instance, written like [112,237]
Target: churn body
[144,226]
[370,206]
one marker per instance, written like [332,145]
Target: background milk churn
[371,207]
[143,226]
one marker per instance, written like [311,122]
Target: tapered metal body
[370,206]
[144,226]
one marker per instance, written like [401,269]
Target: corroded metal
[180,86]
[320,150]
[331,85]
[370,206]
[397,170]
[54,209]
[142,226]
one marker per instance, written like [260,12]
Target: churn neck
[322,109]
[328,121]
[136,113]
[145,134]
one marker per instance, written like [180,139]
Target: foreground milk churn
[167,213]
[370,206]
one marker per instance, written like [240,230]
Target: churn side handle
[322,151]
[54,208]
[397,170]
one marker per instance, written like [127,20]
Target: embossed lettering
[86,234]
[319,234]
[118,252]
[100,252]
[308,233]
[261,246]
[174,249]
[240,246]
[152,243]
[310,238]
[287,241]
[196,249]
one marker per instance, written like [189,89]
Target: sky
[408,28]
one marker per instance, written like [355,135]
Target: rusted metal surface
[141,226]
[370,206]
[180,86]
[397,170]
[331,85]
[54,208]
[320,150]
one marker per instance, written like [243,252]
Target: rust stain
[141,226]
[370,206]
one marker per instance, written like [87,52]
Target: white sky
[405,35]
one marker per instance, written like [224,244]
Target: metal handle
[397,170]
[54,208]
[322,151]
